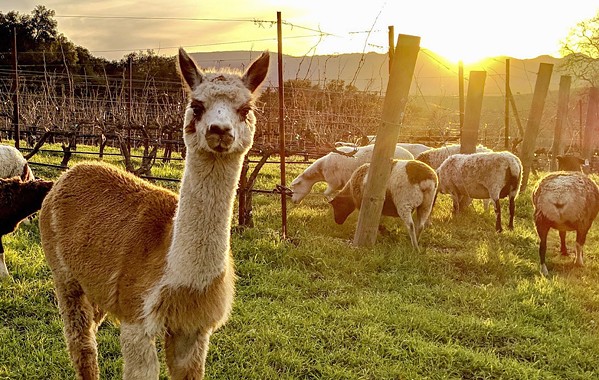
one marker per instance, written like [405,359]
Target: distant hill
[433,76]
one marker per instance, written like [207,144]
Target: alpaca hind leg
[498,227]
[562,243]
[186,354]
[77,314]
[139,353]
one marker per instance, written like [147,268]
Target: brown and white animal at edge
[565,201]
[13,164]
[18,200]
[412,187]
[336,169]
[159,263]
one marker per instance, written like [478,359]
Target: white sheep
[336,169]
[565,201]
[412,187]
[492,175]
[434,157]
[13,164]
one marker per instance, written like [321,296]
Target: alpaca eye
[198,108]
[243,111]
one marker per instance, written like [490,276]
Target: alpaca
[160,264]
[18,200]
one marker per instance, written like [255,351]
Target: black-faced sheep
[13,164]
[18,200]
[565,201]
[492,175]
[336,169]
[412,187]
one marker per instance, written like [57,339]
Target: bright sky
[461,29]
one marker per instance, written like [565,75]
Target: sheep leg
[3,268]
[498,227]
[562,243]
[78,316]
[581,237]
[186,354]
[512,212]
[542,230]
[139,353]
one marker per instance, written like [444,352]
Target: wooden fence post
[562,114]
[474,103]
[396,97]
[506,111]
[592,124]
[534,120]
[461,93]
[281,126]
[15,96]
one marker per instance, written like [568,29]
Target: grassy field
[472,305]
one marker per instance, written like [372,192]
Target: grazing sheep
[569,163]
[12,164]
[565,201]
[18,200]
[335,169]
[159,263]
[492,175]
[434,157]
[412,186]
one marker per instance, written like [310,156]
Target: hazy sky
[460,29]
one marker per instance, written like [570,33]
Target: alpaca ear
[189,70]
[255,75]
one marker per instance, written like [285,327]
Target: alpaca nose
[220,130]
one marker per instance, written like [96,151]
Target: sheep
[18,200]
[412,187]
[158,262]
[565,201]
[336,169]
[413,148]
[434,157]
[12,163]
[492,175]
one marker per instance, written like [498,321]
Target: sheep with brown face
[565,201]
[412,187]
[18,200]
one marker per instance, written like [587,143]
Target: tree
[581,51]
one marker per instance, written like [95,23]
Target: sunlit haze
[464,30]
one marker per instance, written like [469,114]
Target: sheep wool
[13,164]
[565,201]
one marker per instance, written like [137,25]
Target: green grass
[471,305]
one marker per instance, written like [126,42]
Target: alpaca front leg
[78,315]
[186,354]
[139,353]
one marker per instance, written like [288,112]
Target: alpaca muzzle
[219,138]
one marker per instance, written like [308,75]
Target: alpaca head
[219,118]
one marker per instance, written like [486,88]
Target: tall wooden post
[562,114]
[534,120]
[15,91]
[282,127]
[130,114]
[474,103]
[592,124]
[461,93]
[391,46]
[506,112]
[396,97]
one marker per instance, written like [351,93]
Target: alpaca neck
[200,246]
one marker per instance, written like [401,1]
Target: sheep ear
[189,70]
[256,73]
